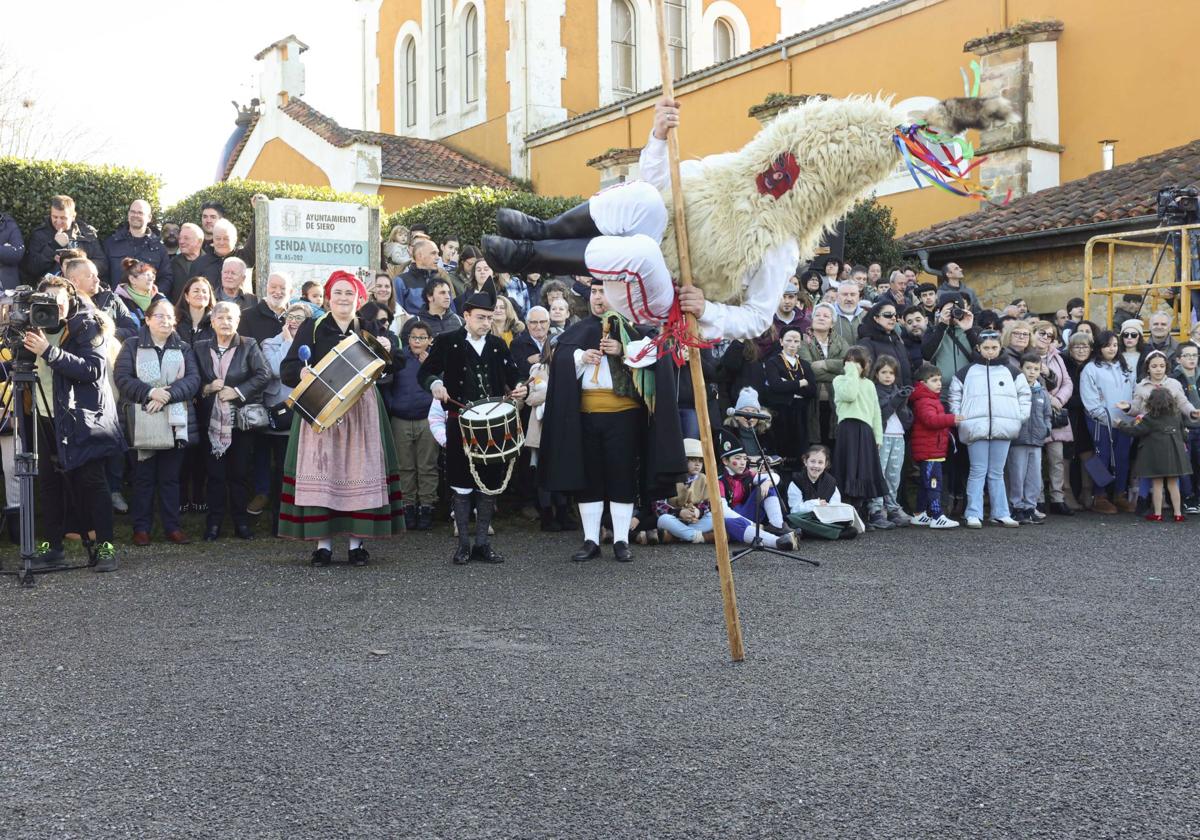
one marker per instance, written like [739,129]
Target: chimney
[282,73]
[1108,154]
[1021,64]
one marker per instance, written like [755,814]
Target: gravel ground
[1042,683]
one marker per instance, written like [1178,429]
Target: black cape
[560,459]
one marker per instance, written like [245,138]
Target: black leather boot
[576,223]
[549,256]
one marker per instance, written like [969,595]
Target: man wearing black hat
[596,426]
[464,366]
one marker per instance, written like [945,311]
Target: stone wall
[1047,279]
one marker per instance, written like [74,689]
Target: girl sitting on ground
[687,516]
[813,488]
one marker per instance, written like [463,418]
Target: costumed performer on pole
[752,215]
[609,405]
[465,366]
[345,480]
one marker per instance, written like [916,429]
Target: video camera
[23,309]
[1178,206]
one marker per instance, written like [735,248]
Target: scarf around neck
[220,424]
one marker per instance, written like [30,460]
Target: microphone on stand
[749,415]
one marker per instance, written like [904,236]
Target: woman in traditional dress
[344,480]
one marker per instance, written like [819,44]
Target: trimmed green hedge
[469,213]
[102,193]
[235,195]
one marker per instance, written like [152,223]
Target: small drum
[339,379]
[491,431]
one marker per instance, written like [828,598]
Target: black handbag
[279,417]
[1059,418]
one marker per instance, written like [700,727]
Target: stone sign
[312,239]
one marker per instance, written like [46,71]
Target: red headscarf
[349,278]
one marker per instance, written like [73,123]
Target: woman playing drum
[345,479]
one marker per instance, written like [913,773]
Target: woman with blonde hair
[504,320]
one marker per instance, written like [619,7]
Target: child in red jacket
[930,440]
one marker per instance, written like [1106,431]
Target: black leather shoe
[243,532]
[359,556]
[212,533]
[1061,509]
[576,223]
[322,557]
[621,552]
[462,556]
[590,551]
[486,554]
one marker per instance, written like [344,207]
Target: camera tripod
[23,380]
[757,544]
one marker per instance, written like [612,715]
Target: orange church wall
[397,198]
[763,17]
[486,142]
[392,15]
[280,162]
[1122,74]
[579,31]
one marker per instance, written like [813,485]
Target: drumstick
[604,327]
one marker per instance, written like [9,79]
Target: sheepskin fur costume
[795,179]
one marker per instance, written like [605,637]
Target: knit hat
[1133,324]
[747,398]
[730,444]
[948,296]
[692,448]
[340,275]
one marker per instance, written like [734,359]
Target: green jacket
[856,399]
[826,365]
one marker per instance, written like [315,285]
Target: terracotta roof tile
[1123,192]
[403,158]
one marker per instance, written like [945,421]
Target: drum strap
[479,482]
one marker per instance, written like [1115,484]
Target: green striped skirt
[315,523]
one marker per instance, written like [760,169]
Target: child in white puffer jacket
[993,403]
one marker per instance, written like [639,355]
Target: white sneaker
[1038,515]
[1006,521]
[944,522]
[922,518]
[972,522]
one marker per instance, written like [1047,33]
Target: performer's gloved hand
[691,300]
[666,116]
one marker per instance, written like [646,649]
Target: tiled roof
[1123,192]
[404,158]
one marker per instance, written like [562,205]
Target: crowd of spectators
[875,389]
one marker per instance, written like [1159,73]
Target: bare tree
[30,128]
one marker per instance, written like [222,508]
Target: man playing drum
[464,367]
[343,480]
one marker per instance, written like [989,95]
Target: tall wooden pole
[733,626]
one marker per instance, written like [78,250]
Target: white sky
[158,77]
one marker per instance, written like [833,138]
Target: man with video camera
[82,430]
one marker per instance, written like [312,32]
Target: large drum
[491,431]
[338,380]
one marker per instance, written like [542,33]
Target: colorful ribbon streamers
[916,145]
